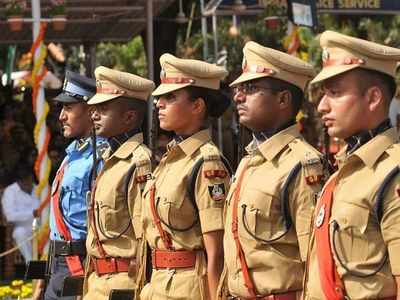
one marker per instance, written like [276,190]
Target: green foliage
[250,29]
[57,8]
[129,57]
[15,7]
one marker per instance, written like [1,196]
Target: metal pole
[219,121]
[36,18]
[150,68]
[35,32]
[204,31]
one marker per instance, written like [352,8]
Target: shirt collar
[274,145]
[262,136]
[125,150]
[356,141]
[83,146]
[116,141]
[192,143]
[370,152]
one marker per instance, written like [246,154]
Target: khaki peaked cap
[177,73]
[112,84]
[342,53]
[260,61]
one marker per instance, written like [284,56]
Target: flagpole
[41,133]
[35,4]
[36,19]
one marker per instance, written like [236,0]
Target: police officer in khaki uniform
[270,203]
[113,243]
[183,204]
[355,246]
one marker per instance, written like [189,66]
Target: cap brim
[66,99]
[332,71]
[168,88]
[100,98]
[247,76]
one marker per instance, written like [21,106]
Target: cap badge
[253,69]
[98,84]
[163,74]
[321,216]
[325,55]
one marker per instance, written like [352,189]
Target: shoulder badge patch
[217,191]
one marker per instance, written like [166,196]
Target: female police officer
[183,203]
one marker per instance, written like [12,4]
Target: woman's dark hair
[216,102]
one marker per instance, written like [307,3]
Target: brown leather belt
[164,259]
[283,296]
[111,265]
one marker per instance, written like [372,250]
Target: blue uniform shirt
[74,187]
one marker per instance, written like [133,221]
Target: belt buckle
[65,248]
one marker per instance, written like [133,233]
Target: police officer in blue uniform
[68,217]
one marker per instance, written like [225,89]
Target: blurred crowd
[17,147]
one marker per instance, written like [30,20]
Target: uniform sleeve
[212,186]
[302,204]
[390,224]
[141,175]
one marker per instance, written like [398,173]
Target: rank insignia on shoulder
[215,173]
[143,178]
[217,191]
[313,179]
[82,145]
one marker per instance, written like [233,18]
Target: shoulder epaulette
[209,155]
[143,166]
[213,162]
[311,161]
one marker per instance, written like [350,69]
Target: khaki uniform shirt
[175,208]
[361,242]
[117,218]
[275,267]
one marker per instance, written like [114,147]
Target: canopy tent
[88,21]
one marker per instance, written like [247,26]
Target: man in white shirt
[19,204]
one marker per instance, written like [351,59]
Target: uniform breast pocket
[349,228]
[259,215]
[113,222]
[180,215]
[73,195]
